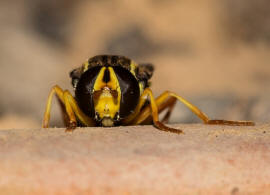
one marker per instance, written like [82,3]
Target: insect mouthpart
[107,122]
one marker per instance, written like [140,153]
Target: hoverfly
[112,90]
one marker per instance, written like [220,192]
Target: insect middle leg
[155,107]
[170,104]
[147,111]
[167,104]
[71,108]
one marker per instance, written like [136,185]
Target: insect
[112,90]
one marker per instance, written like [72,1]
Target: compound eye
[130,91]
[84,89]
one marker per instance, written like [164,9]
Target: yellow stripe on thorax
[133,66]
[85,66]
[106,105]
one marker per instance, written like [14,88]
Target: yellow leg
[147,111]
[75,108]
[141,103]
[71,107]
[231,123]
[59,92]
[156,106]
[72,118]
[161,104]
[64,114]
[170,104]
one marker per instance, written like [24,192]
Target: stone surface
[136,160]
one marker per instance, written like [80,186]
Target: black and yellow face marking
[113,90]
[108,91]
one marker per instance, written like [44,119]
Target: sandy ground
[136,160]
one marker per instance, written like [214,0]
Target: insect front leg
[71,108]
[59,93]
[71,104]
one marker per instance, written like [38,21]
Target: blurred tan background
[214,53]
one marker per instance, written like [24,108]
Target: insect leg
[154,108]
[170,104]
[204,117]
[137,110]
[232,123]
[64,114]
[59,92]
[72,119]
[70,106]
[196,111]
